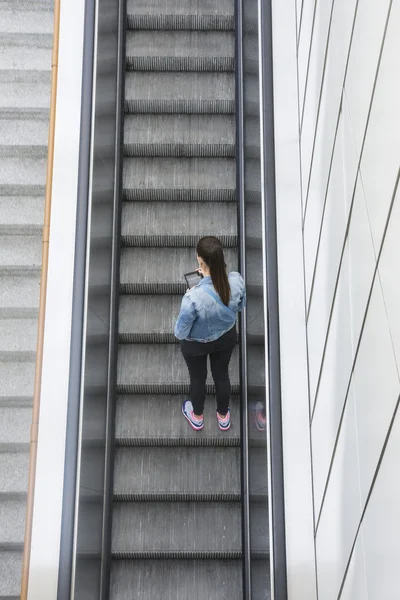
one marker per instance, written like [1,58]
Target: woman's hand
[200,271]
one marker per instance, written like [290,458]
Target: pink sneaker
[224,422]
[187,411]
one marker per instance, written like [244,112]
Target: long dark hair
[210,250]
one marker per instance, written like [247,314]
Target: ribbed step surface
[144,319]
[189,179]
[173,92]
[179,51]
[177,472]
[160,270]
[176,530]
[181,224]
[134,428]
[159,369]
[180,14]
[176,579]
[179,135]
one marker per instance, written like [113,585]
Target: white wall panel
[388,272]
[355,585]
[363,61]
[320,194]
[362,263]
[341,511]
[377,387]
[313,86]
[335,378]
[327,267]
[304,46]
[328,122]
[381,525]
[350,156]
[381,155]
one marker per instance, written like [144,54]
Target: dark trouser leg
[197,366]
[219,367]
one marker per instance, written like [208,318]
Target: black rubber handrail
[246,567]
[276,496]
[114,308]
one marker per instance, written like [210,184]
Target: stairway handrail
[42,309]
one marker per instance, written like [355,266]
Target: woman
[206,325]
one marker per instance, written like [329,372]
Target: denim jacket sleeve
[185,319]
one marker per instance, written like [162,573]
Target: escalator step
[179,51]
[164,529]
[147,92]
[148,319]
[180,14]
[177,224]
[160,369]
[151,320]
[176,579]
[189,179]
[134,427]
[177,472]
[179,136]
[160,270]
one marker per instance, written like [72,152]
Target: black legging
[195,355]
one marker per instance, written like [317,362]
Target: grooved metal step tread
[179,135]
[17,380]
[180,51]
[20,251]
[18,339]
[177,471]
[176,580]
[10,571]
[173,92]
[160,270]
[23,176]
[180,14]
[14,472]
[187,179]
[148,319]
[177,224]
[19,294]
[160,369]
[168,427]
[173,527]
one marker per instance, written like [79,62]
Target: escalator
[182,148]
[176,513]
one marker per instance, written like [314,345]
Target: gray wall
[349,119]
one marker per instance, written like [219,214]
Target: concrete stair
[26,30]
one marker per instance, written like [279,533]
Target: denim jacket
[202,318]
